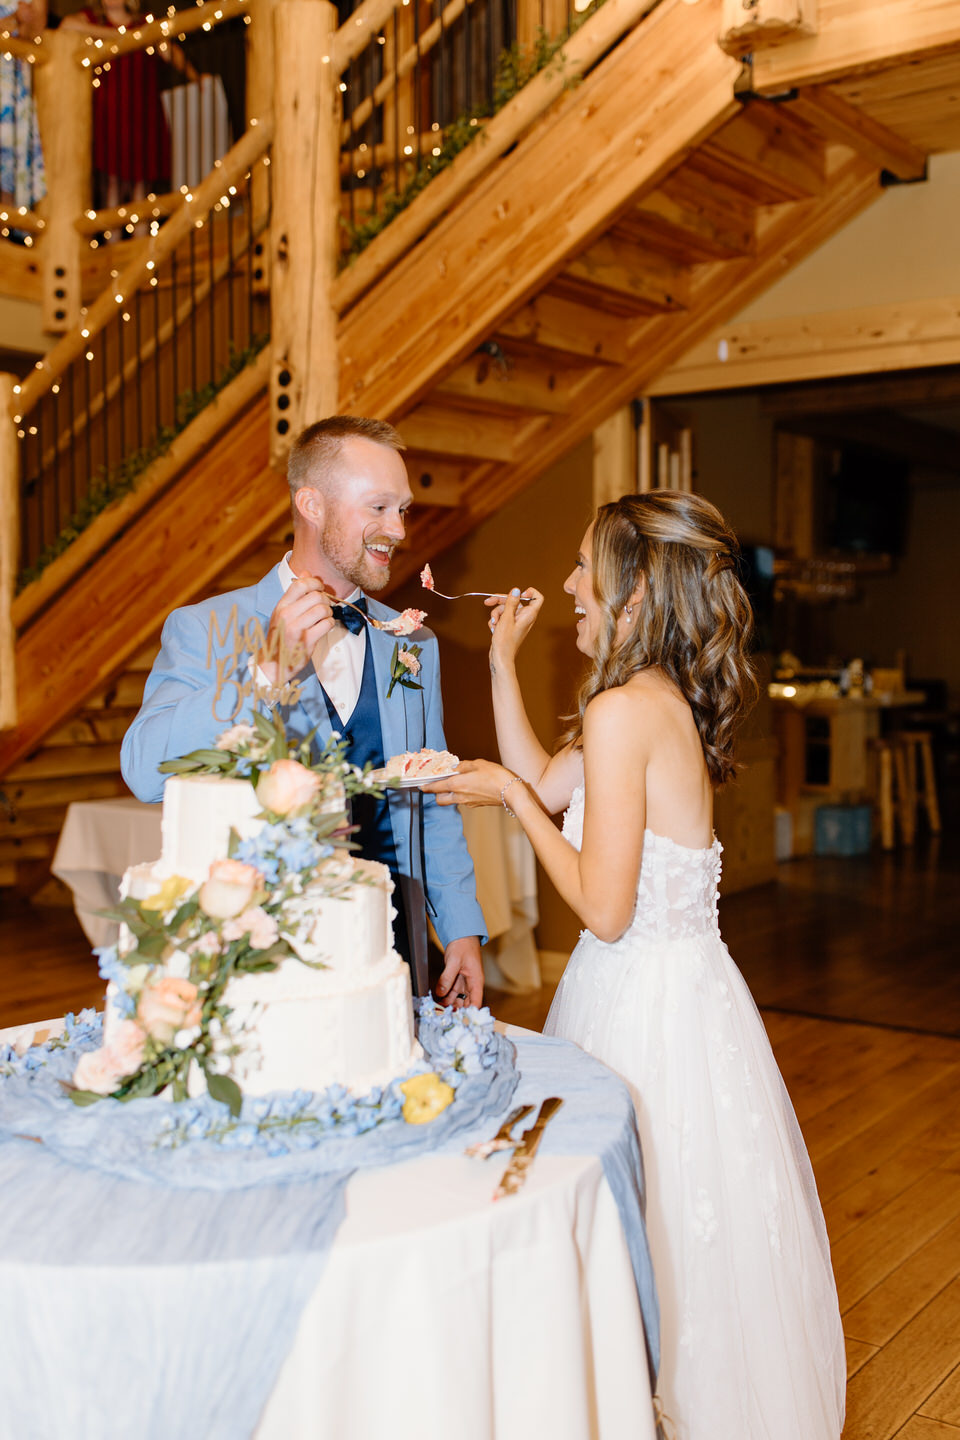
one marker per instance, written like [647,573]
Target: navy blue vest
[374,834]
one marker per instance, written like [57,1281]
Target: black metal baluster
[103,398]
[157,419]
[193,308]
[231,341]
[138,299]
[212,296]
[175,336]
[72,372]
[250,255]
[122,388]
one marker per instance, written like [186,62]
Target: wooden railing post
[260,81]
[304,375]
[9,548]
[64,98]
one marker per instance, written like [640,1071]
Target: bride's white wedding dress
[752,1347]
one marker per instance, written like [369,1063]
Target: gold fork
[483,1149]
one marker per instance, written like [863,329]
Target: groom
[350,496]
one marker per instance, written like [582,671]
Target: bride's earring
[628,611]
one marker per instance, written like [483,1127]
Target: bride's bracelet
[514,779]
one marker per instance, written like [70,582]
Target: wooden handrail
[238,160]
[156,32]
[13,48]
[577,55]
[404,65]
[22,219]
[354,34]
[148,209]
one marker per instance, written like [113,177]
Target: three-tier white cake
[306,1028]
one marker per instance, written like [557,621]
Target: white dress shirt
[337,657]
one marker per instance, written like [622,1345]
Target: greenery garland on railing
[516,67]
[108,485]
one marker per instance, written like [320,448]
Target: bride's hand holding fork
[512,617]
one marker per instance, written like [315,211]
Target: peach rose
[97,1071]
[126,1046]
[168,1005]
[287,786]
[229,889]
[261,927]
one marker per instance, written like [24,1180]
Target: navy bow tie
[348,617]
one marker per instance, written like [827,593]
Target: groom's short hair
[313,455]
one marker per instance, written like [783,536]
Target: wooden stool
[913,742]
[897,785]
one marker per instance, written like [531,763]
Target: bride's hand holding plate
[476,782]
[512,617]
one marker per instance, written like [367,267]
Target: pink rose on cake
[261,927]
[168,1005]
[287,786]
[102,1071]
[229,889]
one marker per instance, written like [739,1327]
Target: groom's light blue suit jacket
[193,693]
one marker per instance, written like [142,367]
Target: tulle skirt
[752,1347]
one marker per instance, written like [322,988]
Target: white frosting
[350,1023]
[199,811]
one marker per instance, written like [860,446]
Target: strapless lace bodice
[677,889]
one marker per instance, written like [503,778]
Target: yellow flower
[427,1096]
[167,896]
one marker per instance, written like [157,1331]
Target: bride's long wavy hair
[694,621]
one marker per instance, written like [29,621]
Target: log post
[9,550]
[614,457]
[748,25]
[64,96]
[260,81]
[304,375]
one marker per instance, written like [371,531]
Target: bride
[750,1329]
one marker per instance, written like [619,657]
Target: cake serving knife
[516,1172]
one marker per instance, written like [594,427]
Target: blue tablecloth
[229,1270]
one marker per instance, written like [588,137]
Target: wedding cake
[256,954]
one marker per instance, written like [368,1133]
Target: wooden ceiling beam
[765,155]
[435,480]
[836,119]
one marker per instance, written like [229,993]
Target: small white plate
[410,782]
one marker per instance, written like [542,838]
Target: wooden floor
[872,940]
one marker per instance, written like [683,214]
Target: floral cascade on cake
[199,927]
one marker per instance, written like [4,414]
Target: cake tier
[311,1029]
[199,811]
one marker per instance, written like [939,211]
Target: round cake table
[436,1310]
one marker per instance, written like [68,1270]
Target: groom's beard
[354,564]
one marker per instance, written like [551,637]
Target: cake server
[483,1149]
[522,1158]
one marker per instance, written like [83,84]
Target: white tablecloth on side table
[99,840]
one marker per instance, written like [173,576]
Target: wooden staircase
[649,204]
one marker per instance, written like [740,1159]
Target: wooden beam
[871,338]
[614,457]
[749,25]
[617,277]
[856,37]
[436,430]
[64,98]
[498,381]
[657,95]
[564,331]
[687,220]
[304,229]
[764,154]
[872,392]
[838,120]
[436,480]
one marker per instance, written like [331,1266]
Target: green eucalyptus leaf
[226,1090]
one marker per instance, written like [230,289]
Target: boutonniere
[404,667]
